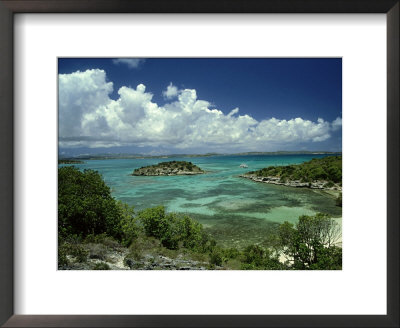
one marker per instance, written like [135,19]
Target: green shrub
[101,266]
[248,266]
[154,221]
[130,227]
[206,243]
[160,225]
[80,253]
[190,232]
[311,243]
[62,257]
[75,250]
[103,239]
[329,258]
[73,239]
[256,257]
[254,254]
[85,205]
[231,253]
[174,231]
[216,258]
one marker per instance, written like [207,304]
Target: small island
[169,168]
[319,173]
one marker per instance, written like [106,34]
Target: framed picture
[218,118]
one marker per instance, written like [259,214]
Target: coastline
[319,184]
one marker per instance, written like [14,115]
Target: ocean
[236,211]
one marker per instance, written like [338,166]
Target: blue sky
[192,105]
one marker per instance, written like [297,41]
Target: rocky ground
[160,262]
[102,258]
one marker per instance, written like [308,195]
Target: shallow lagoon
[236,211]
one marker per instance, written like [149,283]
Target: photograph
[199,163]
[180,150]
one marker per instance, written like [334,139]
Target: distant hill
[70,161]
[139,156]
[283,152]
[169,168]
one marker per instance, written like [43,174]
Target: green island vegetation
[70,161]
[97,232]
[169,168]
[319,173]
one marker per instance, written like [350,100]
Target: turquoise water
[235,210]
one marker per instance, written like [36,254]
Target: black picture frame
[10,7]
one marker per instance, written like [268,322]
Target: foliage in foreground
[85,204]
[311,243]
[86,207]
[175,231]
[91,222]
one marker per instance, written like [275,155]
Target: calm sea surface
[235,210]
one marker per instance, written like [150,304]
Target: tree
[130,227]
[85,204]
[311,244]
[174,231]
[256,257]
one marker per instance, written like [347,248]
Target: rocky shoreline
[319,184]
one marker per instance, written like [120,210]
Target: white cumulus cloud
[88,117]
[171,91]
[337,124]
[130,62]
[233,112]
